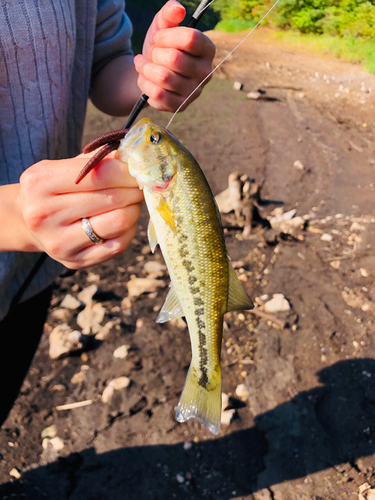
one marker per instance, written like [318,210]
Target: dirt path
[306,431]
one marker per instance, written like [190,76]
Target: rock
[227,416]
[70,302]
[278,303]
[121,352]
[49,432]
[58,388]
[78,378]
[253,95]
[104,331]
[87,294]
[357,227]
[154,269]
[335,264]
[138,286]
[91,277]
[264,494]
[90,319]
[363,491]
[57,443]
[180,478]
[15,473]
[114,385]
[326,237]
[237,86]
[63,340]
[242,391]
[224,401]
[60,314]
[280,218]
[363,272]
[223,202]
[298,165]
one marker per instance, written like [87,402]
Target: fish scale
[185,222]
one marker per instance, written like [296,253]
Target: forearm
[14,234]
[115,89]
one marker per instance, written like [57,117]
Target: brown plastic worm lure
[110,141]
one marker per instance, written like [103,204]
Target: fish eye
[155,138]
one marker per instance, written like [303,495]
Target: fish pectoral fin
[165,211]
[237,297]
[171,308]
[152,238]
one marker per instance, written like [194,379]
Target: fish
[186,223]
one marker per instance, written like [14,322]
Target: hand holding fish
[174,59]
[52,208]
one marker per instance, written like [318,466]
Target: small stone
[326,237]
[78,378]
[15,473]
[146,250]
[126,304]
[371,495]
[90,319]
[121,352]
[253,95]
[114,385]
[91,277]
[178,322]
[63,340]
[104,331]
[87,294]
[335,264]
[188,446]
[49,432]
[227,416]
[57,443]
[154,269]
[242,391]
[363,272]
[180,478]
[58,388]
[70,302]
[357,227]
[107,394]
[224,401]
[138,286]
[237,86]
[278,303]
[84,357]
[140,258]
[60,314]
[298,165]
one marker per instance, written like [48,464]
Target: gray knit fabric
[49,51]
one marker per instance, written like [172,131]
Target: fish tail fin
[201,400]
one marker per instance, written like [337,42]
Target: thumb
[170,16]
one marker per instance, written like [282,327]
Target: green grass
[232,25]
[352,49]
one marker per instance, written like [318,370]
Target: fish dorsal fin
[152,238]
[171,308]
[237,297]
[165,211]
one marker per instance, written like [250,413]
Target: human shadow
[317,429]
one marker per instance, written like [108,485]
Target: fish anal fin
[152,238]
[238,300]
[171,308]
[202,403]
[165,211]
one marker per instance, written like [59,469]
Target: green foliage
[231,25]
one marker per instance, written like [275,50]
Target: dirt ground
[306,431]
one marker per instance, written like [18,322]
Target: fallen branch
[72,406]
[269,317]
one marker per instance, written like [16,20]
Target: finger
[180,62]
[170,15]
[58,177]
[165,78]
[70,207]
[96,254]
[159,98]
[192,41]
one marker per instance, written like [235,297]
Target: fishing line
[220,63]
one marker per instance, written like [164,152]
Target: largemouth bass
[185,222]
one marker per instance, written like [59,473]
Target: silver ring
[90,232]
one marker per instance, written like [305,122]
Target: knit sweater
[49,54]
